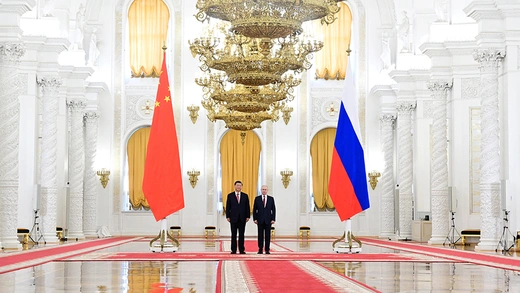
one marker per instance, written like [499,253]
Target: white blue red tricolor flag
[348,182]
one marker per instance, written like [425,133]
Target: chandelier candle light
[252,55]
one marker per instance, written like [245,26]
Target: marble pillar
[91,180]
[440,201]
[76,169]
[405,167]
[490,208]
[10,54]
[387,177]
[48,162]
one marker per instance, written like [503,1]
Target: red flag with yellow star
[162,183]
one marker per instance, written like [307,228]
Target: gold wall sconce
[286,177]
[286,114]
[373,175]
[194,177]
[103,176]
[194,112]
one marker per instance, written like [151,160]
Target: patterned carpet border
[274,256]
[453,255]
[19,260]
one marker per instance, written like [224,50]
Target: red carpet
[497,261]
[43,255]
[270,276]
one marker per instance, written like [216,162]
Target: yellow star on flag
[157,104]
[167,98]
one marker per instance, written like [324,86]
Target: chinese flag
[162,183]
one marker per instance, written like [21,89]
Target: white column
[387,177]
[491,215]
[91,182]
[440,201]
[48,160]
[10,54]
[405,161]
[76,169]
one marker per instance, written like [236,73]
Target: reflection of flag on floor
[348,182]
[162,183]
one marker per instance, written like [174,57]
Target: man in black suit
[264,215]
[238,213]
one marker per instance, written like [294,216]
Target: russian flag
[348,182]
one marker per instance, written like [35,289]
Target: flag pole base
[160,243]
[350,245]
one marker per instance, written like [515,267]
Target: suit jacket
[237,210]
[264,214]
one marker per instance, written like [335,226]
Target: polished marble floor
[201,276]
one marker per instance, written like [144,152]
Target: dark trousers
[264,231]
[239,226]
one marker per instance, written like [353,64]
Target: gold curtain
[240,162]
[147,30]
[331,61]
[136,151]
[322,147]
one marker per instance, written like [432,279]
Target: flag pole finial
[348,50]
[164,47]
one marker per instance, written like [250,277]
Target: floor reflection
[125,276]
[429,277]
[201,276]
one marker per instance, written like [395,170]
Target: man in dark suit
[238,213]
[264,215]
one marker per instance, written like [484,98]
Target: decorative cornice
[18,7]
[406,107]
[439,85]
[387,119]
[11,52]
[327,90]
[489,57]
[76,105]
[490,36]
[479,10]
[90,116]
[49,84]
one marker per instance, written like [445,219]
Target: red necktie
[238,197]
[263,199]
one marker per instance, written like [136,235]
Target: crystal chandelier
[253,57]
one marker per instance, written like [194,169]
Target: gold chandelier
[267,18]
[254,62]
[251,58]
[245,107]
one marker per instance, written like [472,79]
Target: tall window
[148,31]
[331,61]
[240,161]
[322,147]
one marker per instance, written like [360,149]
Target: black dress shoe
[242,252]
[259,252]
[233,252]
[267,252]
